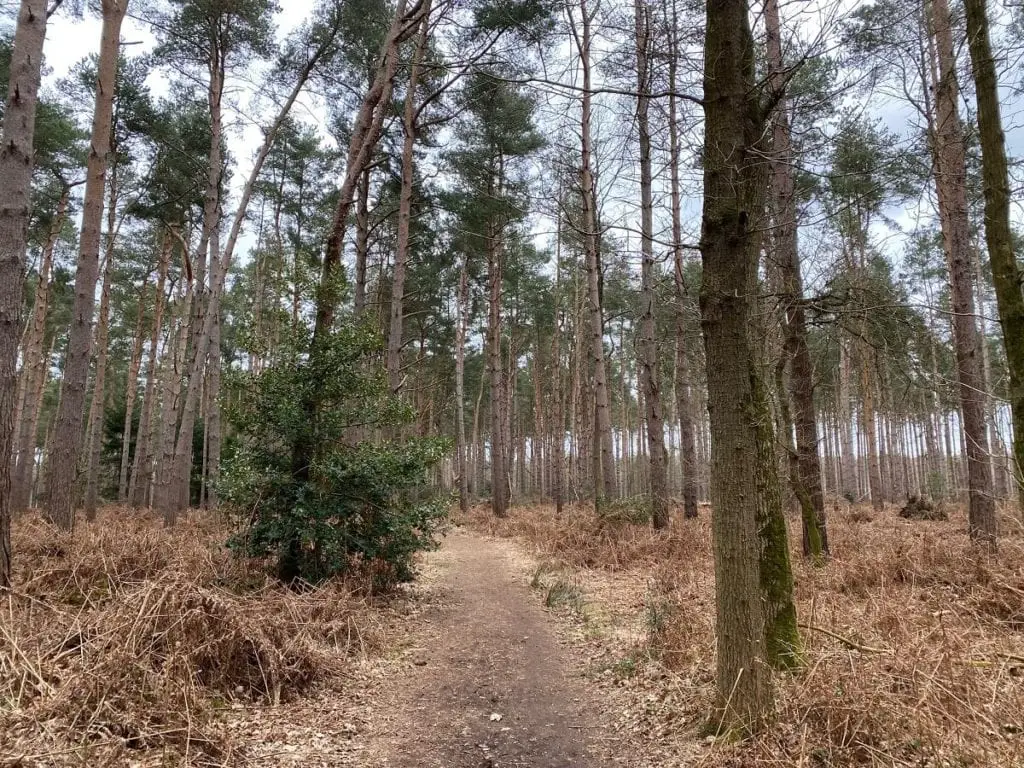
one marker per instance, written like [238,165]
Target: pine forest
[547,383]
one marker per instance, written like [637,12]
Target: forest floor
[481,679]
[533,641]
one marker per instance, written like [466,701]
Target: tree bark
[558,416]
[68,442]
[604,465]
[362,239]
[34,367]
[648,346]
[951,185]
[212,424]
[402,246]
[131,387]
[365,134]
[462,311]
[94,434]
[1007,275]
[145,440]
[16,159]
[851,488]
[684,396]
[734,198]
[93,442]
[806,480]
[499,472]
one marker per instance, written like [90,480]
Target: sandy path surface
[490,686]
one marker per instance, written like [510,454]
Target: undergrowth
[129,638]
[913,639]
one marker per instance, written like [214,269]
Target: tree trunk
[604,465]
[951,185]
[362,239]
[684,397]
[806,480]
[93,442]
[145,440]
[131,387]
[734,199]
[16,158]
[365,134]
[66,448]
[558,416]
[648,345]
[851,490]
[34,367]
[462,311]
[170,400]
[1006,272]
[94,434]
[402,247]
[868,425]
[212,424]
[499,484]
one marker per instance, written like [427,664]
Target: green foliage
[360,505]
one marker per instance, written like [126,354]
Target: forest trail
[486,650]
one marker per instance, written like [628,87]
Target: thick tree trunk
[806,480]
[16,160]
[1006,272]
[67,446]
[951,185]
[650,378]
[734,199]
[175,496]
[170,400]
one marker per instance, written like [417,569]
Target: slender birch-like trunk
[650,378]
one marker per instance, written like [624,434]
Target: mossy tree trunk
[751,571]
[1006,272]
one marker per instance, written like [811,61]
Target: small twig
[845,640]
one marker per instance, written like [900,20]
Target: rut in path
[488,651]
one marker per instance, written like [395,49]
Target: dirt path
[489,685]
